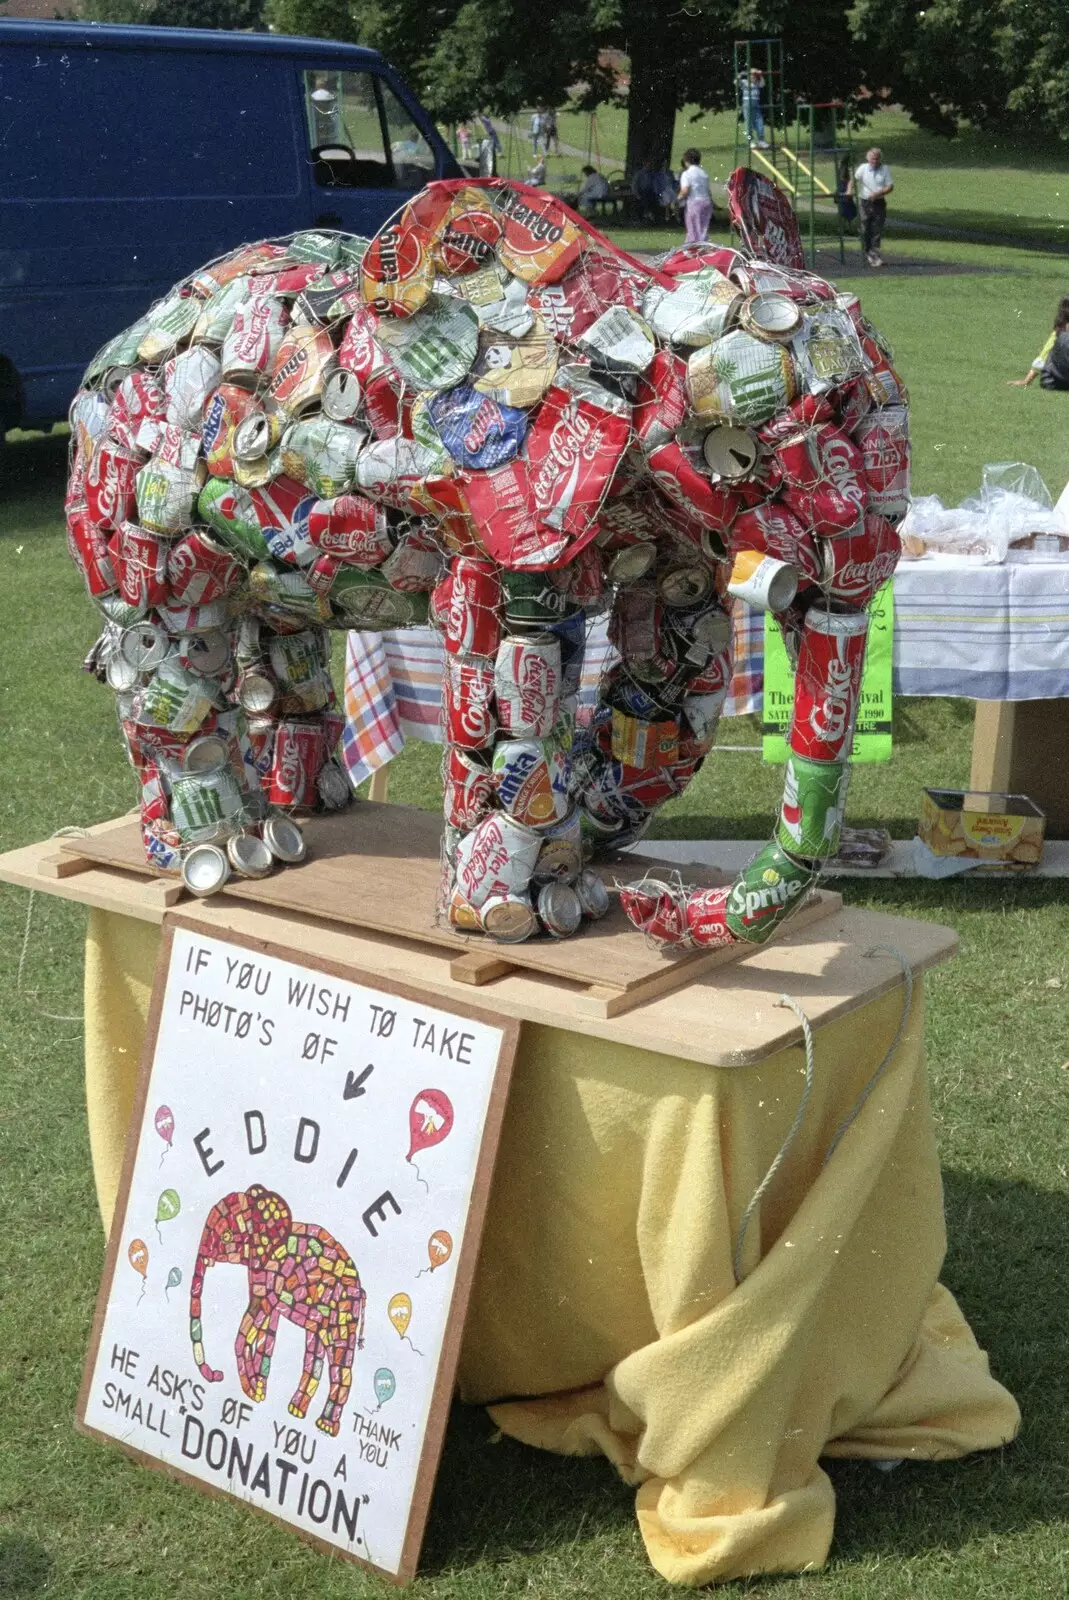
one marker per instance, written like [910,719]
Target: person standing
[536,133]
[695,197]
[872,183]
[549,132]
[751,87]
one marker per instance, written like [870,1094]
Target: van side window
[361,136]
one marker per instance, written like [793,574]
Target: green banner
[872,739]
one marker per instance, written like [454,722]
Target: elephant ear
[271,1222]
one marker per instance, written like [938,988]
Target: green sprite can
[532,597]
[228,508]
[322,454]
[168,325]
[765,893]
[811,817]
[366,600]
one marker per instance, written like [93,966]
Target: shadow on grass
[25,1566]
[33,471]
[1006,1265]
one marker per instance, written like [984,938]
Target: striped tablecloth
[987,633]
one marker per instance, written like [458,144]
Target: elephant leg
[310,1374]
[340,1355]
[253,1347]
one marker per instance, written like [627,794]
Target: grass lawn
[976,182]
[78,1520]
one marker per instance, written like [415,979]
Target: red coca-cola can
[469,788]
[321,574]
[705,915]
[358,352]
[649,786]
[715,675]
[883,439]
[656,912]
[110,494]
[527,685]
[807,411]
[154,804]
[199,569]
[89,551]
[852,403]
[584,578]
[471,620]
[858,563]
[350,528]
[661,401]
[774,530]
[299,753]
[572,450]
[138,412]
[827,683]
[713,504]
[142,566]
[470,719]
[387,410]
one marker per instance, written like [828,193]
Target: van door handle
[328,219]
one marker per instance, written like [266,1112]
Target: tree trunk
[651,105]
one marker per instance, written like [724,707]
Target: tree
[236,14]
[940,60]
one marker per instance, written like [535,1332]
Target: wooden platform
[377,867]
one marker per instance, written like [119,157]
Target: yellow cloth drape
[605,1298]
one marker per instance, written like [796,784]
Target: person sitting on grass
[1051,366]
[594,187]
[536,175]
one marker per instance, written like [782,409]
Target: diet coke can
[497,858]
[527,684]
[469,702]
[828,683]
[252,343]
[299,752]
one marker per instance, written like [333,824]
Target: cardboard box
[1000,830]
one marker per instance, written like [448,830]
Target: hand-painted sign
[268,1324]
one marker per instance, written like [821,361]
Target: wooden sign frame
[464,1261]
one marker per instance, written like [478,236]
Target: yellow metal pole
[821,185]
[787,184]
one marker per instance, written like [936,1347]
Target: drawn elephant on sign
[296,1270]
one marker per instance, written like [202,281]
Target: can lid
[341,395]
[712,628]
[120,672]
[686,586]
[113,379]
[206,653]
[333,786]
[256,690]
[252,437]
[284,839]
[592,894]
[144,646]
[205,869]
[730,452]
[560,909]
[771,316]
[508,919]
[209,753]
[249,856]
[631,563]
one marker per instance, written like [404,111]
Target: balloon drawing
[385,1384]
[137,1254]
[439,1248]
[399,1312]
[167,1208]
[174,1278]
[164,1122]
[429,1120]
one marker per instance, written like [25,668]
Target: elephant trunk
[196,1333]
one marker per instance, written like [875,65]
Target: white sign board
[304,1189]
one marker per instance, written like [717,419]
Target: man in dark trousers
[871,184]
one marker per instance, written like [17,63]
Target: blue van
[131,156]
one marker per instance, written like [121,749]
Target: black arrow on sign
[353,1088]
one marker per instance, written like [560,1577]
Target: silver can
[205,869]
[284,839]
[592,893]
[249,856]
[559,910]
